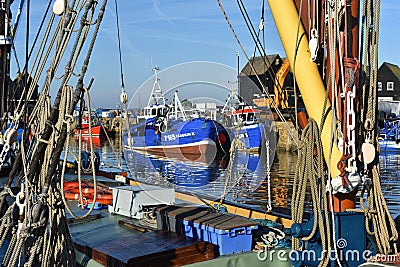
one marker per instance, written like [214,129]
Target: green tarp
[275,258]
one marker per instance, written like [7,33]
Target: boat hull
[197,139]
[389,146]
[198,151]
[97,131]
[251,136]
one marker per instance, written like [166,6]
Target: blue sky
[169,32]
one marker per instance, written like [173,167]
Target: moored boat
[248,130]
[244,121]
[389,139]
[96,129]
[172,131]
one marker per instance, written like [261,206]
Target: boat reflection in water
[236,176]
[192,174]
[97,142]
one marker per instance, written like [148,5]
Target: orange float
[103,201]
[71,192]
[85,190]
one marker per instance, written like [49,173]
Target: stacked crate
[230,233]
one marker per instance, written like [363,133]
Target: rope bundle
[35,226]
[310,171]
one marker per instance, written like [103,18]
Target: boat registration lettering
[172,137]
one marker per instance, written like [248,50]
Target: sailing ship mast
[5,48]
[329,90]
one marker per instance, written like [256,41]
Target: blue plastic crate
[230,233]
[192,230]
[229,241]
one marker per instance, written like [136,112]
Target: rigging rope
[311,171]
[375,209]
[123,96]
[37,219]
[119,47]
[265,91]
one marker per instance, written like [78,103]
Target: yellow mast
[308,78]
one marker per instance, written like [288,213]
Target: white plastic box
[132,201]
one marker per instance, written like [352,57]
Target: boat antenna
[156,92]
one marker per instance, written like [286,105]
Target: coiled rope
[375,210]
[310,172]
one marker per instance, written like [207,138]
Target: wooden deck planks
[148,249]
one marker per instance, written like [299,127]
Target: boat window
[379,86]
[154,112]
[161,111]
[250,116]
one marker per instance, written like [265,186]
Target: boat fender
[337,183]
[162,127]
[96,161]
[123,98]
[222,138]
[58,7]
[86,162]
[85,157]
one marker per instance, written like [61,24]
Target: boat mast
[5,48]
[234,96]
[178,108]
[307,74]
[156,93]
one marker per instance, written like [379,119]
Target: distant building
[388,82]
[266,68]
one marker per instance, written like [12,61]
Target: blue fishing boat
[244,122]
[389,139]
[248,129]
[195,137]
[176,132]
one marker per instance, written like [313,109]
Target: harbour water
[248,184]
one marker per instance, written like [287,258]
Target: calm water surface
[248,184]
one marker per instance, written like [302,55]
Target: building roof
[259,64]
[393,68]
